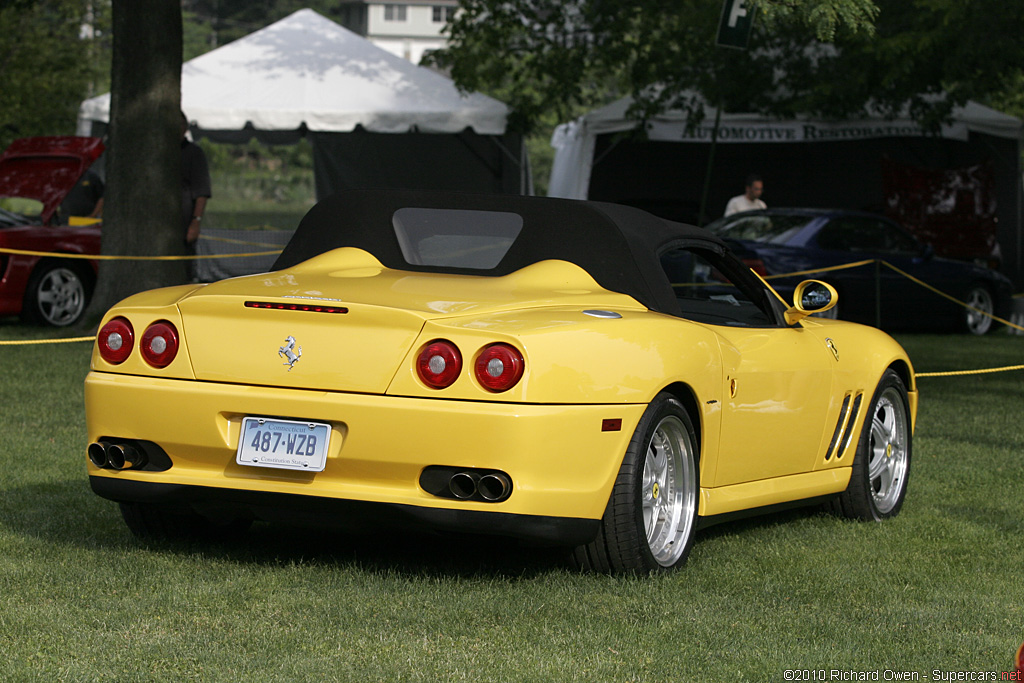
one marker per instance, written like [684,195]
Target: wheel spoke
[666,500]
[887,451]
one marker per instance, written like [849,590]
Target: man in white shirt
[750,199]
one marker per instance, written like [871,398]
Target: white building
[407,29]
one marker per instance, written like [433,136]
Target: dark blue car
[777,241]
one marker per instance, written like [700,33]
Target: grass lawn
[938,589]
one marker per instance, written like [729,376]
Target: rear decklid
[46,168]
[343,322]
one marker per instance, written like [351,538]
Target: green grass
[939,587]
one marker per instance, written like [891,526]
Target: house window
[443,13]
[394,12]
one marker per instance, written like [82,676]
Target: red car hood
[46,168]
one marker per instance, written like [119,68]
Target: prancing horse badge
[290,351]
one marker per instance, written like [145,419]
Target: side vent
[854,414]
[840,425]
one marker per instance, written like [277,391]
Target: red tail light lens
[439,364]
[499,367]
[159,344]
[115,340]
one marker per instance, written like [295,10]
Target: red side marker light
[611,425]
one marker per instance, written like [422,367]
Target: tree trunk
[142,207]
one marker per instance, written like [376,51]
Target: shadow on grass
[765,520]
[67,513]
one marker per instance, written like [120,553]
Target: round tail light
[439,364]
[499,367]
[115,340]
[159,344]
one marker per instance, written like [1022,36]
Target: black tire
[980,298]
[57,293]
[651,517]
[154,523]
[881,465]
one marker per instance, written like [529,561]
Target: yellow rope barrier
[114,257]
[858,264]
[909,277]
[24,342]
[953,299]
[983,371]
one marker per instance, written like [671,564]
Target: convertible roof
[617,245]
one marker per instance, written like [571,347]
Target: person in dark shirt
[195,187]
[85,199]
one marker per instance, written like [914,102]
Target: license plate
[283,444]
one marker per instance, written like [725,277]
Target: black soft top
[619,246]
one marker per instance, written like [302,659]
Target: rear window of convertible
[455,238]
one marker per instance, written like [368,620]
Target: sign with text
[797,131]
[735,24]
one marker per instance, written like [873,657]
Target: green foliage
[46,65]
[198,36]
[832,58]
[1010,100]
[822,18]
[937,588]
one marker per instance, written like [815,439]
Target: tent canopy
[374,119]
[307,71]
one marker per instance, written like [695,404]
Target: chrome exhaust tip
[494,487]
[122,456]
[463,484]
[98,453]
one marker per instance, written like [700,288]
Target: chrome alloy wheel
[980,299]
[888,450]
[669,491]
[61,296]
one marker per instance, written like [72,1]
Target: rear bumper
[347,515]
[562,465]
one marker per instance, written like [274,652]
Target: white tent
[306,74]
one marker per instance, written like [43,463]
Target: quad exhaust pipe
[116,456]
[492,487]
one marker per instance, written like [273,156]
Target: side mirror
[810,297]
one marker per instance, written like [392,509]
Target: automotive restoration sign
[768,131]
[735,24]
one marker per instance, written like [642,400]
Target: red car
[36,175]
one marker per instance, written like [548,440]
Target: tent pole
[702,216]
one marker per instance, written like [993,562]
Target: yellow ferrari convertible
[570,373]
